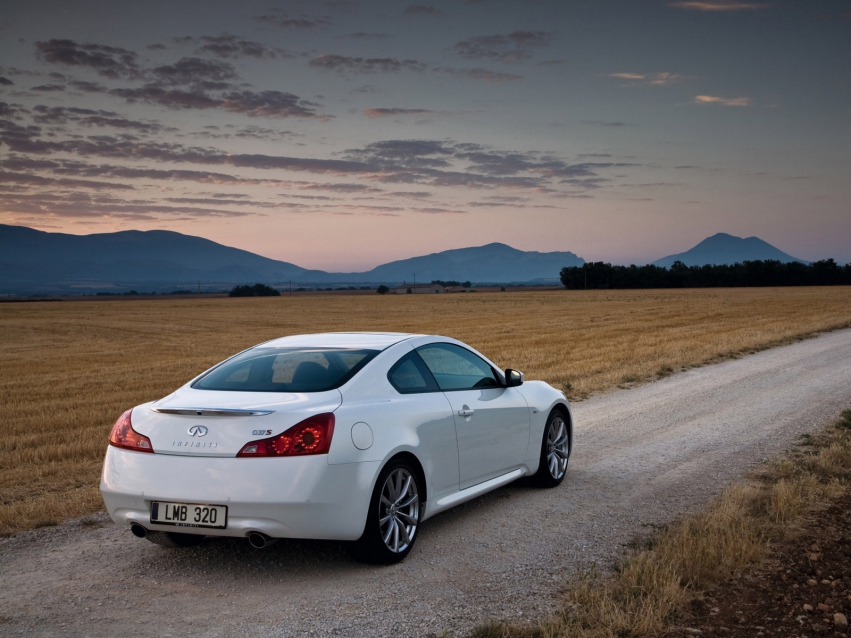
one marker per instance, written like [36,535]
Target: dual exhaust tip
[257,540]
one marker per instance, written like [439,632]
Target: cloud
[48,88]
[88,87]
[508,48]
[414,194]
[663,78]
[377,112]
[253,104]
[9,110]
[339,188]
[604,123]
[84,169]
[108,61]
[86,205]
[404,153]
[732,101]
[156,47]
[719,5]
[37,180]
[283,20]
[365,65]
[438,211]
[421,10]
[342,63]
[268,104]
[169,98]
[479,74]
[401,161]
[5,81]
[211,74]
[231,46]
[360,35]
[58,115]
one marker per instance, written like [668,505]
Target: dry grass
[67,370]
[646,595]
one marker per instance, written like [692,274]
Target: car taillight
[311,436]
[124,436]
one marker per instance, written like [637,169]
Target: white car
[347,436]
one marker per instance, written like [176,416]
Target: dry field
[68,369]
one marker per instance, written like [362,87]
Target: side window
[409,375]
[456,368]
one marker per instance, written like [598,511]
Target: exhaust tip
[138,531]
[259,540]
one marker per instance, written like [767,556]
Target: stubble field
[67,370]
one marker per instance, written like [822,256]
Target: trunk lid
[193,422]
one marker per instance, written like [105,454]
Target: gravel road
[643,455]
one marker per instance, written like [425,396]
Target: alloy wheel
[557,447]
[399,510]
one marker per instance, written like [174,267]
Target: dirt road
[642,456]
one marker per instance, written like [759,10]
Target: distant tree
[257,290]
[409,291]
[467,284]
[382,290]
[599,275]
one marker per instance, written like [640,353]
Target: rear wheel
[393,517]
[174,539]
[555,451]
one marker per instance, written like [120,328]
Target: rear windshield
[286,370]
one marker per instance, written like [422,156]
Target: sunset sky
[342,135]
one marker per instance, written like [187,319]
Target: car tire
[174,539]
[393,518]
[555,451]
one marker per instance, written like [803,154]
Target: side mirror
[513,378]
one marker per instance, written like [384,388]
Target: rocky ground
[803,588]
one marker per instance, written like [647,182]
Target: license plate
[189,514]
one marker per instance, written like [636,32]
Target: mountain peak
[722,248]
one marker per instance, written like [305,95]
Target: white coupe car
[348,436]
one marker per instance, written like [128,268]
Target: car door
[425,409]
[491,421]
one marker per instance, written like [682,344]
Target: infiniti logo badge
[197,430]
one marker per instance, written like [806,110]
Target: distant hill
[492,263]
[33,261]
[727,249]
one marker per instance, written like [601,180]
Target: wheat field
[68,369]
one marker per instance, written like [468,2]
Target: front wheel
[393,517]
[555,451]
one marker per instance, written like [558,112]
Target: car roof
[369,340]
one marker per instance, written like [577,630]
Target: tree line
[600,275]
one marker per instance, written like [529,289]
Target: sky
[342,135]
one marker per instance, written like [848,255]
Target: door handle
[466,412]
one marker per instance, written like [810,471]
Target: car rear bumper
[293,497]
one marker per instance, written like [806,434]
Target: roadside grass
[648,593]
[67,370]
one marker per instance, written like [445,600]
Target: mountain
[727,249]
[492,263]
[33,261]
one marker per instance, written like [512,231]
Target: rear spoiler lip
[211,411]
